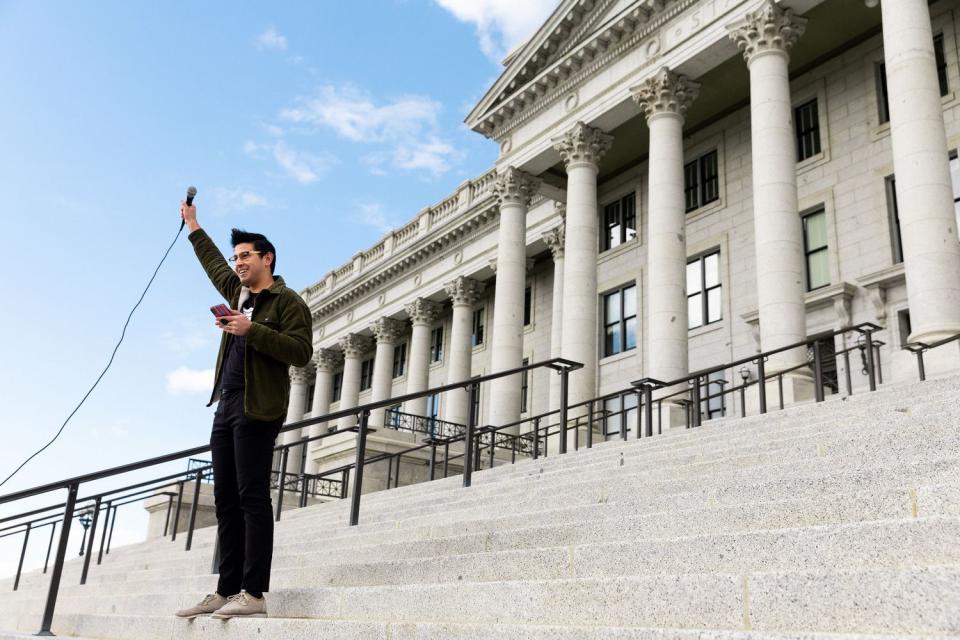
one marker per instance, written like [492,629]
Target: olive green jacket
[281,335]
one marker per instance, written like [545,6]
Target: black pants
[242,451]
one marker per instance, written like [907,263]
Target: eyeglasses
[243,256]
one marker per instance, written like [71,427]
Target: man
[269,329]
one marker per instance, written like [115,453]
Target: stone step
[293,629]
[809,482]
[906,601]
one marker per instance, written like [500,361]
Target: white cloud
[372,214]
[303,167]
[184,380]
[225,201]
[407,126]
[270,39]
[501,24]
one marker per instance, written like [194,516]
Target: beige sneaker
[242,605]
[208,605]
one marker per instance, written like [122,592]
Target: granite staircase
[831,520]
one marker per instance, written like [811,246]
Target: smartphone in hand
[221,310]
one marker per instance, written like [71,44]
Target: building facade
[681,183]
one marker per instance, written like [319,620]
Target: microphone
[191,192]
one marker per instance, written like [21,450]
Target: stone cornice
[515,187]
[388,330]
[666,92]
[559,79]
[583,144]
[769,28]
[465,291]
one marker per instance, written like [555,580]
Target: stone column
[581,150]
[766,36]
[664,99]
[555,240]
[423,314]
[299,381]
[513,189]
[327,361]
[388,333]
[353,346]
[464,293]
[931,252]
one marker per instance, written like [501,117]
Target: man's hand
[189,215]
[238,324]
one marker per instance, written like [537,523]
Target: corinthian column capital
[583,144]
[666,92]
[388,330]
[771,28]
[327,359]
[301,375]
[464,291]
[423,311]
[354,345]
[555,238]
[514,186]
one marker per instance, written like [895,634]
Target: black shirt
[233,374]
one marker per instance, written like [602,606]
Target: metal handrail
[919,348]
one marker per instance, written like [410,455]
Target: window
[894,218]
[524,387]
[366,374]
[337,385]
[704,293]
[436,344]
[712,400]
[815,249]
[955,180]
[433,411]
[527,305]
[393,416]
[701,181]
[620,320]
[478,319]
[807,122]
[399,359]
[619,222]
[308,405]
[615,409]
[903,323]
[883,99]
[938,53]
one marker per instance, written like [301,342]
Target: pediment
[573,34]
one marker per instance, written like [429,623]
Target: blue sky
[321,124]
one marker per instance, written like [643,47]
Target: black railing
[197,475]
[428,425]
[920,348]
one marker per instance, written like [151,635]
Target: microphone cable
[112,355]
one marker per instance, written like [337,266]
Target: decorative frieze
[465,291]
[770,28]
[516,187]
[666,92]
[354,345]
[583,144]
[388,330]
[423,311]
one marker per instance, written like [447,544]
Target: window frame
[478,325]
[621,321]
[524,387]
[399,363]
[701,189]
[704,290]
[436,344]
[337,386]
[809,130]
[366,374]
[807,251]
[623,231]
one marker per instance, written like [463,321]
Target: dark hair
[259,242]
